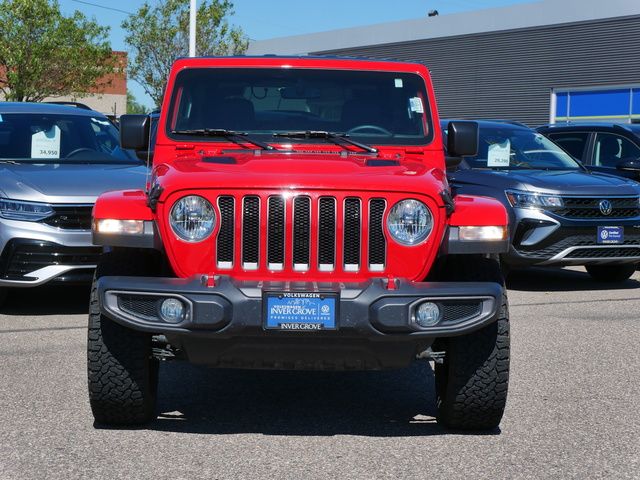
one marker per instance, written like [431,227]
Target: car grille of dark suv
[21,257]
[589,207]
[70,217]
[604,253]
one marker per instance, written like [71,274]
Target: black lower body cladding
[224,325]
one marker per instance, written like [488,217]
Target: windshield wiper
[337,138]
[221,132]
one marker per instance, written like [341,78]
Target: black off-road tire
[611,273]
[122,373]
[472,383]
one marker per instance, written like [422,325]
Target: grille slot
[616,252]
[250,232]
[70,217]
[351,234]
[301,232]
[569,241]
[377,243]
[275,239]
[225,235]
[327,234]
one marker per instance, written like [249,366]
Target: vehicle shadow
[47,300]
[551,279]
[385,404]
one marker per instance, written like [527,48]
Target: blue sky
[261,19]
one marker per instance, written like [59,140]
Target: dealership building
[539,62]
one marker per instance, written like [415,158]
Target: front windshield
[508,148]
[60,139]
[370,106]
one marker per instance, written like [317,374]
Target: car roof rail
[510,122]
[623,127]
[70,104]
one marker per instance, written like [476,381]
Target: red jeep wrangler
[298,216]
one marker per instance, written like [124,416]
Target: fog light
[427,314]
[172,310]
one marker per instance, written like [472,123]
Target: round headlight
[410,222]
[192,218]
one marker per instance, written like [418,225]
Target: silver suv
[54,162]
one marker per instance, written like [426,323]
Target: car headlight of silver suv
[409,222]
[540,201]
[27,211]
[192,218]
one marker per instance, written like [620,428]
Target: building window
[619,104]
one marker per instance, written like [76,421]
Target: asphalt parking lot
[572,410]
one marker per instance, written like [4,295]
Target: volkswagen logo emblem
[605,207]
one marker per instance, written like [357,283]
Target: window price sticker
[416,105]
[498,155]
[46,144]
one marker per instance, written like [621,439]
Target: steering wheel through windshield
[78,151]
[375,128]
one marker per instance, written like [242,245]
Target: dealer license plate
[300,311]
[610,235]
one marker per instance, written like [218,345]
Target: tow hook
[162,350]
[428,354]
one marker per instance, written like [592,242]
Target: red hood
[300,171]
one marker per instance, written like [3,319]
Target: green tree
[43,53]
[158,35]
[133,106]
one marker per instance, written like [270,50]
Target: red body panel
[167,150]
[478,212]
[123,205]
[406,262]
[314,170]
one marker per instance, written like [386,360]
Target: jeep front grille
[301,233]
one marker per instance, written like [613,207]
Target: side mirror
[462,139]
[629,164]
[134,132]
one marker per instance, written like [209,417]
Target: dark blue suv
[560,213]
[612,148]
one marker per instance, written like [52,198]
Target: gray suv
[54,162]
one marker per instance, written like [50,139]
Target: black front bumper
[224,325]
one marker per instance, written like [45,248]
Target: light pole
[192,29]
